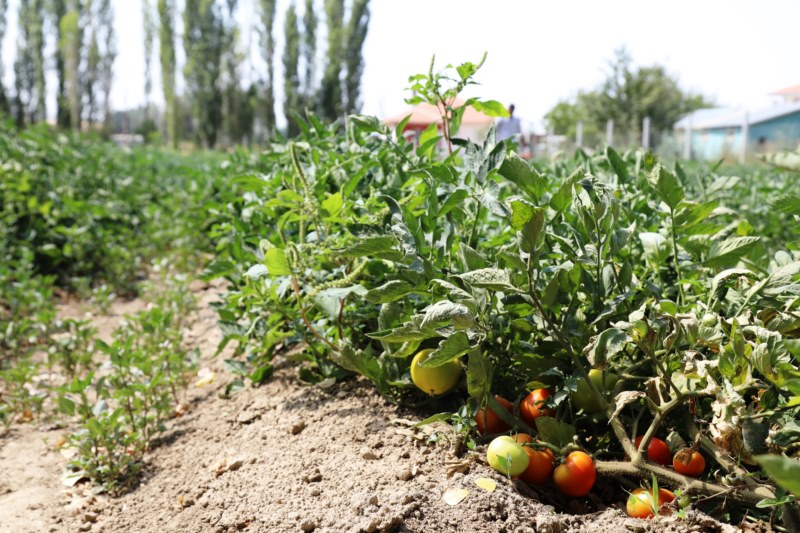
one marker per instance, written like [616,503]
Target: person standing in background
[508,127]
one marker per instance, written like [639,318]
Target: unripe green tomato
[435,380]
[506,456]
[710,319]
[583,398]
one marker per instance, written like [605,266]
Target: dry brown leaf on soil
[486,484]
[461,467]
[206,377]
[227,465]
[454,496]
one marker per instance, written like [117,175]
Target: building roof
[721,117]
[788,91]
[422,115]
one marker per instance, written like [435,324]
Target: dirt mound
[286,457]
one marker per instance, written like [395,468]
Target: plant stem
[675,255]
[475,224]
[623,468]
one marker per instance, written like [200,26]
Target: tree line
[626,96]
[76,40]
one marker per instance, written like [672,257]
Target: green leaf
[453,200]
[521,212]
[728,252]
[554,431]
[783,471]
[376,245]
[789,204]
[492,108]
[66,405]
[489,278]
[438,417]
[275,260]
[619,166]
[218,269]
[655,247]
[367,123]
[518,171]
[533,234]
[330,300]
[358,361]
[562,198]
[235,367]
[262,373]
[608,344]
[256,271]
[785,160]
[479,375]
[333,204]
[404,333]
[428,139]
[389,292]
[450,348]
[448,313]
[667,186]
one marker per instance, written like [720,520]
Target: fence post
[579,134]
[745,135]
[610,132]
[646,133]
[687,142]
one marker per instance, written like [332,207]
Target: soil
[285,457]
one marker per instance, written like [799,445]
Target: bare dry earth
[284,457]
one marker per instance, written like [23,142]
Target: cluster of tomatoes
[521,458]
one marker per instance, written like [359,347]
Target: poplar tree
[204,42]
[309,50]
[166,16]
[70,50]
[29,79]
[3,98]
[267,16]
[353,54]
[58,9]
[330,98]
[148,16]
[105,75]
[291,76]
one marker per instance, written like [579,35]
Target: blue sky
[538,52]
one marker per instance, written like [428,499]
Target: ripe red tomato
[657,450]
[641,504]
[540,462]
[531,407]
[487,420]
[576,476]
[689,462]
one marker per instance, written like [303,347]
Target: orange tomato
[531,407]
[576,476]
[657,450]
[641,504]
[487,420]
[540,462]
[689,462]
